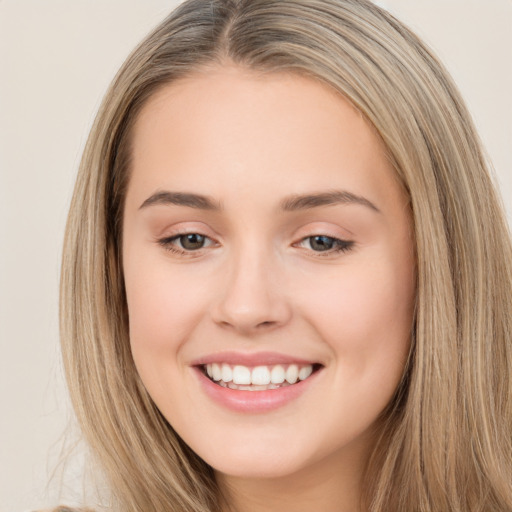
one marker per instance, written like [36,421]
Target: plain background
[56,60]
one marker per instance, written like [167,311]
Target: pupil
[321,243]
[192,241]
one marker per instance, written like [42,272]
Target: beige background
[56,60]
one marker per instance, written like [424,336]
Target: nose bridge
[252,298]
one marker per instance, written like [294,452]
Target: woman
[286,278]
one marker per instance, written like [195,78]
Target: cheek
[365,313]
[163,308]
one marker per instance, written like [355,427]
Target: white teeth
[227,373]
[292,374]
[241,375]
[216,371]
[277,375]
[258,378]
[305,372]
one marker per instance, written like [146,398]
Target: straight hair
[444,441]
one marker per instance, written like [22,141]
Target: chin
[257,460]
[257,468]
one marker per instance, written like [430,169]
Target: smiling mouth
[258,378]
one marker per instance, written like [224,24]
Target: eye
[326,244]
[186,242]
[191,241]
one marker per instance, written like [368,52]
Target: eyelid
[330,228]
[183,227]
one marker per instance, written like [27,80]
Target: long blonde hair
[445,440]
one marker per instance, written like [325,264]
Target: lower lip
[254,401]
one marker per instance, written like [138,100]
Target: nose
[252,299]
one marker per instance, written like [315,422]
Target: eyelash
[168,243]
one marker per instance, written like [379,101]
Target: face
[269,270]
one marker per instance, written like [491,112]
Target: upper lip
[251,359]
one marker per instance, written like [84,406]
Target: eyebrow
[332,197]
[181,199]
[290,204]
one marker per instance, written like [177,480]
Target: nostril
[265,324]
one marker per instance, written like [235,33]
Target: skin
[249,142]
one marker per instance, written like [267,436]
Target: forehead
[260,103]
[233,125]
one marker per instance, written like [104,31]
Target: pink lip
[248,359]
[253,401]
